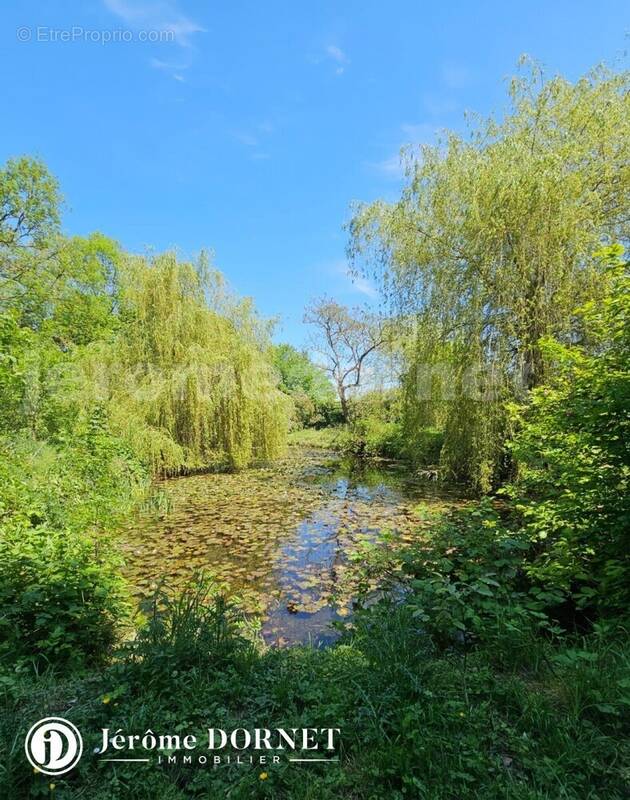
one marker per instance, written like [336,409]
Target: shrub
[372,437]
[425,446]
[574,462]
[61,598]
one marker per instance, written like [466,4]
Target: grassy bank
[326,438]
[520,716]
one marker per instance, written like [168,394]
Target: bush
[61,596]
[61,601]
[195,629]
[572,489]
[424,447]
[416,721]
[467,586]
[372,438]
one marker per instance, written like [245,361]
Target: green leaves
[307,384]
[490,247]
[574,464]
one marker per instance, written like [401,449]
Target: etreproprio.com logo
[53,746]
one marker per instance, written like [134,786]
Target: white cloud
[332,53]
[437,105]
[160,15]
[246,138]
[254,139]
[157,63]
[336,53]
[392,167]
[416,132]
[173,69]
[363,286]
[419,133]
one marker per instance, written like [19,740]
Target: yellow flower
[106,699]
[51,786]
[462,714]
[263,776]
[35,770]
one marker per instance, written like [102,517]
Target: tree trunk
[341,391]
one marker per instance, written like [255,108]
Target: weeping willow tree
[188,378]
[490,248]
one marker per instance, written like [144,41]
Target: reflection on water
[278,537]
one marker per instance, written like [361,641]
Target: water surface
[284,539]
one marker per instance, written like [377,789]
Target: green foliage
[329,438]
[372,438]
[188,379]
[572,451]
[66,285]
[110,366]
[415,722]
[196,629]
[497,664]
[374,428]
[306,383]
[85,306]
[377,429]
[29,225]
[425,447]
[384,405]
[61,597]
[29,203]
[18,358]
[490,248]
[468,587]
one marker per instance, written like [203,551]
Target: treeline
[182,368]
[113,368]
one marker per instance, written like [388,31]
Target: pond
[283,539]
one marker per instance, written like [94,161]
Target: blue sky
[252,126]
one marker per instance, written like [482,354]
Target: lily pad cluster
[284,539]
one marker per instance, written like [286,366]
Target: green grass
[326,438]
[417,721]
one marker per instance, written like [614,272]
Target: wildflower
[263,776]
[106,699]
[51,786]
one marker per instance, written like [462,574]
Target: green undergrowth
[326,438]
[533,717]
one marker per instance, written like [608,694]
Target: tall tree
[345,338]
[29,228]
[306,383]
[490,248]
